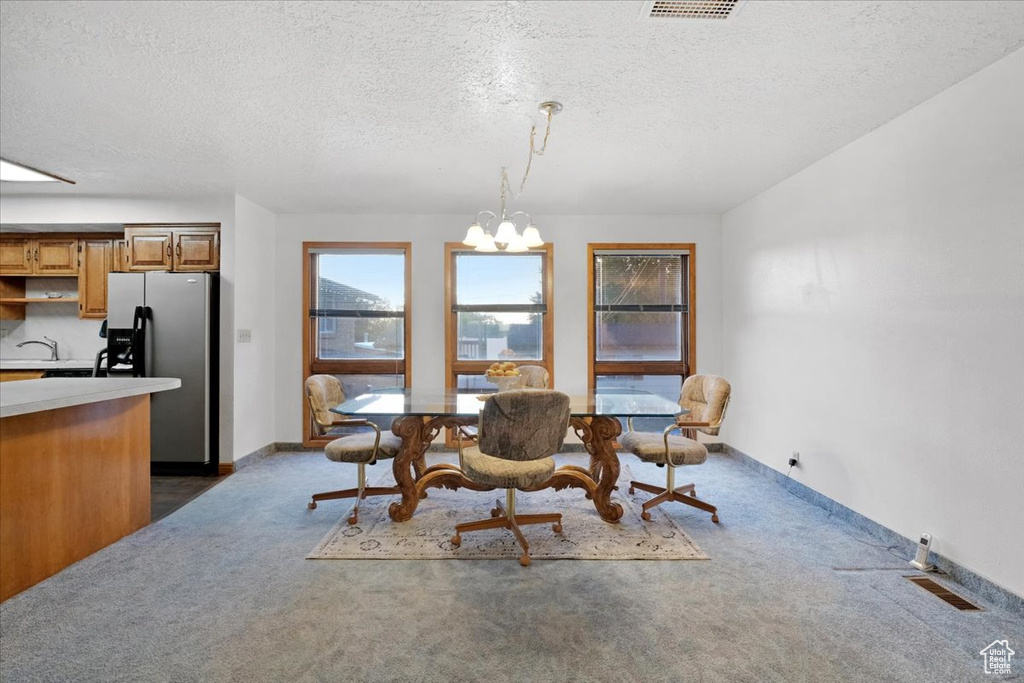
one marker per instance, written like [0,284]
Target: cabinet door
[92,281]
[196,250]
[119,264]
[148,249]
[55,257]
[15,256]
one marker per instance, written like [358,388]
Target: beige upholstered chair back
[534,376]
[323,393]
[523,424]
[706,396]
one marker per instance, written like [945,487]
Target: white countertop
[40,364]
[37,395]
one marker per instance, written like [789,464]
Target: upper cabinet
[38,256]
[172,247]
[97,261]
[148,248]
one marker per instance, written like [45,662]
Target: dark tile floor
[168,493]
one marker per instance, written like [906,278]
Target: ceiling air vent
[690,9]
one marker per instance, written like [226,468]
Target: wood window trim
[311,366]
[452,366]
[641,367]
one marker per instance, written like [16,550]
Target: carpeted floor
[220,591]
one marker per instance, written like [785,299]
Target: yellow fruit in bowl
[508,366]
[495,366]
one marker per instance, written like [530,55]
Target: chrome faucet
[52,346]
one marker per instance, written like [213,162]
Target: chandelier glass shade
[507,236]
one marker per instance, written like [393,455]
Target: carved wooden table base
[413,477]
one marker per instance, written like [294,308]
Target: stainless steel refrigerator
[162,324]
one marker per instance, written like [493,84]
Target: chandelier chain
[506,186]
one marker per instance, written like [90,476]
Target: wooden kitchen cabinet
[97,261]
[182,248]
[38,256]
[119,263]
[148,249]
[196,250]
[16,256]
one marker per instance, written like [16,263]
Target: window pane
[628,335]
[475,383]
[346,338]
[359,281]
[638,279]
[666,386]
[499,336]
[354,385]
[505,279]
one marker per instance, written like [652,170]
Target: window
[499,309]
[356,296]
[641,331]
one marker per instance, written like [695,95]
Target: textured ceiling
[413,107]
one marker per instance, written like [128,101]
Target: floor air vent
[940,592]
[690,9]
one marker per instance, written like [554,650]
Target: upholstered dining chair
[534,376]
[518,432]
[323,392]
[361,448]
[705,397]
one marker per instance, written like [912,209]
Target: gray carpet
[220,591]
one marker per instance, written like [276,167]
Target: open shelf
[41,300]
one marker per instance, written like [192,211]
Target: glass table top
[438,402]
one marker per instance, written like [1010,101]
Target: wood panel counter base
[72,480]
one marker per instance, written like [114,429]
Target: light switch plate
[244,336]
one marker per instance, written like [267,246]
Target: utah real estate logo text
[997,657]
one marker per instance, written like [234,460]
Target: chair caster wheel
[646,516]
[525,560]
[495,512]
[632,490]
[693,493]
[312,505]
[456,540]
[557,528]
[354,519]
[714,518]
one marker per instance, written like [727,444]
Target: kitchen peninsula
[74,471]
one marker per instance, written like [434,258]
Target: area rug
[584,536]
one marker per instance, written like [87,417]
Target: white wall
[569,234]
[254,282]
[70,209]
[874,321]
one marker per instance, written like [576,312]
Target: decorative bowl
[54,295]
[505,382]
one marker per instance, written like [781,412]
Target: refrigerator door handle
[142,313]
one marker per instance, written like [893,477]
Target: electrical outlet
[244,336]
[795,460]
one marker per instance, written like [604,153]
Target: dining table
[420,415]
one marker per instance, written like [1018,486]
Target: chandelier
[507,233]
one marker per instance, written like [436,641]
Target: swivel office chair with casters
[361,448]
[704,398]
[518,432]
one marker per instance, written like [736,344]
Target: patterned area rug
[584,535]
